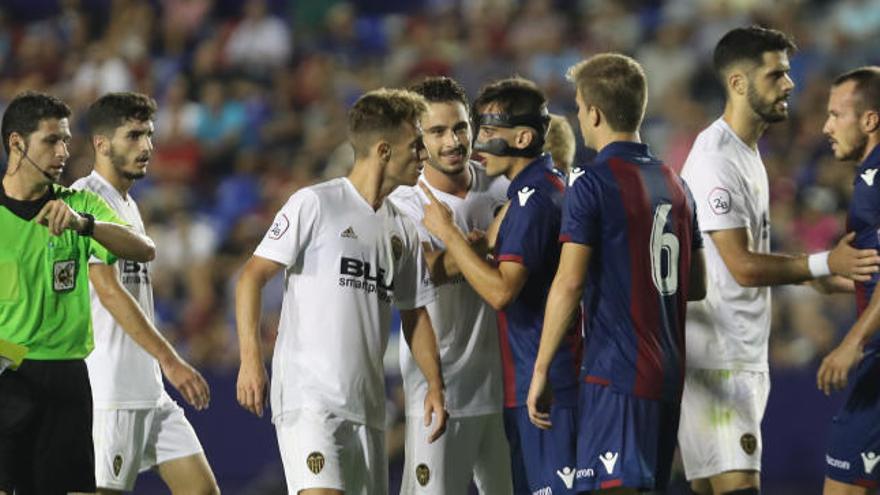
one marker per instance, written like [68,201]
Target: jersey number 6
[664,253]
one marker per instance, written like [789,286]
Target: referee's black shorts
[46,428]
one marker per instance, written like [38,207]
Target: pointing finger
[433,199]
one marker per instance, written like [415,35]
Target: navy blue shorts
[854,444]
[624,440]
[542,461]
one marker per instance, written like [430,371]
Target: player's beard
[764,109]
[456,169]
[119,161]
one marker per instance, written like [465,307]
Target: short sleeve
[292,230]
[98,208]
[718,191]
[528,229]
[581,210]
[413,287]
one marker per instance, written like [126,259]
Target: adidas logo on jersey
[348,233]
[868,176]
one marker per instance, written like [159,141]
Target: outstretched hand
[852,263]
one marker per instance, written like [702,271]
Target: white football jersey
[123,374]
[466,328]
[345,265]
[730,327]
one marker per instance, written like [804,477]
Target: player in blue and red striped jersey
[512,118]
[633,250]
[853,127]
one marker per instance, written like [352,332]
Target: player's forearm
[248,300]
[763,270]
[135,323]
[422,341]
[485,279]
[126,311]
[867,324]
[562,303]
[124,242]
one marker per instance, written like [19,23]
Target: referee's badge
[315,462]
[117,465]
[749,443]
[423,474]
[64,275]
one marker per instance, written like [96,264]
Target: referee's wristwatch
[89,227]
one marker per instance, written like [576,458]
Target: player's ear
[524,137]
[383,150]
[16,143]
[871,121]
[737,82]
[101,144]
[594,116]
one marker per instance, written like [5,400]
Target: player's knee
[744,491]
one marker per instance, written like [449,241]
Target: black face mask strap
[497,146]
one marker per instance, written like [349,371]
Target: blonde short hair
[380,113]
[617,85]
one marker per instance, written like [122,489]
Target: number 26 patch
[64,275]
[719,200]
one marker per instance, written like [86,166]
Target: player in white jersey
[348,255]
[137,426]
[474,445]
[727,381]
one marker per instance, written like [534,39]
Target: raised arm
[120,240]
[252,378]
[497,286]
[125,310]
[420,337]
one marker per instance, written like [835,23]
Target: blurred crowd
[253,97]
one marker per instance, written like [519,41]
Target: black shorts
[46,428]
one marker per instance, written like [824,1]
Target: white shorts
[130,441]
[720,429]
[322,450]
[472,447]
